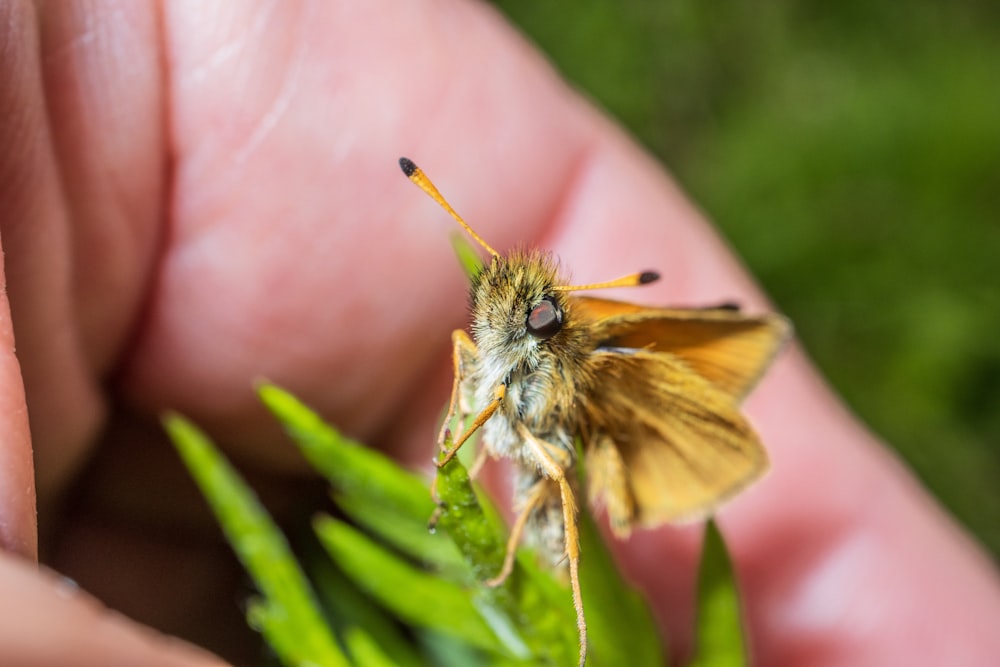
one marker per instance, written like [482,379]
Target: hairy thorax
[543,377]
[534,403]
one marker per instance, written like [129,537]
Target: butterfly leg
[463,357]
[481,418]
[555,471]
[536,494]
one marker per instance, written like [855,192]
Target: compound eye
[545,320]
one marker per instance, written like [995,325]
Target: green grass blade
[720,640]
[621,628]
[464,520]
[528,619]
[348,606]
[468,254]
[350,467]
[462,516]
[415,596]
[289,616]
[368,486]
[530,612]
[445,651]
[365,650]
[413,538]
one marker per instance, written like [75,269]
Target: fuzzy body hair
[544,379]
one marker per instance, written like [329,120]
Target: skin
[197,197]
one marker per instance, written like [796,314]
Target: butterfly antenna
[416,174]
[630,280]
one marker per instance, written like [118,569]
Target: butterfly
[651,394]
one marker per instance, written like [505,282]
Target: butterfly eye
[545,319]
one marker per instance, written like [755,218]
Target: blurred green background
[850,152]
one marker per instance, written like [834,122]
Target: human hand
[194,198]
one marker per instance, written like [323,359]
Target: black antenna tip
[647,277]
[407,165]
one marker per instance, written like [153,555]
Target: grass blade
[289,614]
[417,597]
[720,631]
[621,628]
[350,467]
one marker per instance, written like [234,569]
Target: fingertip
[48,620]
[18,523]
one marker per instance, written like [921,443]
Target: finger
[88,634]
[103,80]
[298,250]
[842,557]
[18,530]
[62,398]
[872,562]
[245,281]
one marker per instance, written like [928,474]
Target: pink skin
[195,198]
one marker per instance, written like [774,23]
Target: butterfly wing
[729,349]
[662,443]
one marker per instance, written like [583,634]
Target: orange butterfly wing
[729,349]
[663,444]
[664,439]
